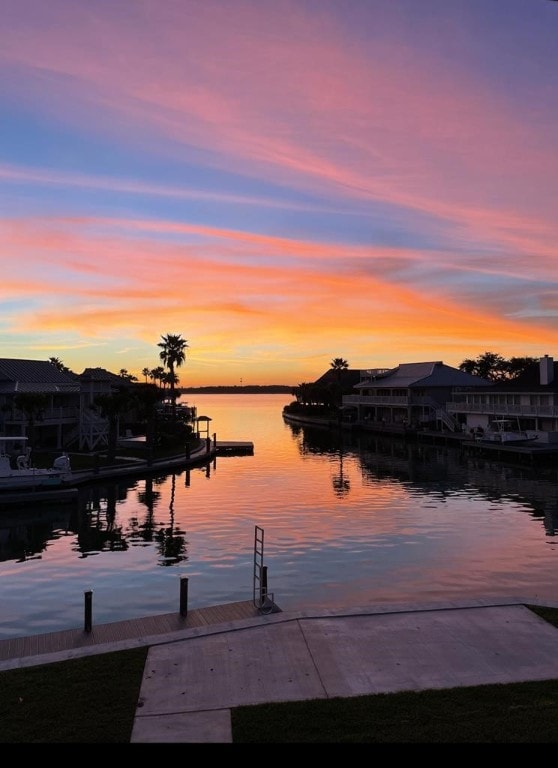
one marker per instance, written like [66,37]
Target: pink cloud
[383,122]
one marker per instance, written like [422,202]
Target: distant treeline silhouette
[252,389]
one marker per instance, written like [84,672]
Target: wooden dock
[224,448]
[130,630]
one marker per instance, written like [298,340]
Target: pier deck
[130,630]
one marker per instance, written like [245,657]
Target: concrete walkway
[191,683]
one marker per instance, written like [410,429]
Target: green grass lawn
[85,700]
[93,700]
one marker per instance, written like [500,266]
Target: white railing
[490,409]
[376,400]
[495,409]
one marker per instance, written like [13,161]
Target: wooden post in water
[88,623]
[183,595]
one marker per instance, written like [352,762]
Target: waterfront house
[531,400]
[59,412]
[66,417]
[411,395]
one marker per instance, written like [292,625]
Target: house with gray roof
[530,401]
[411,394]
[67,417]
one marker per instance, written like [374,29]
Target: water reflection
[26,533]
[171,542]
[349,519]
[438,472]
[143,531]
[94,522]
[434,469]
[98,529]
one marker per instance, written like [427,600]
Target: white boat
[506,432]
[18,473]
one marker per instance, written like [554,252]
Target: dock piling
[88,621]
[183,595]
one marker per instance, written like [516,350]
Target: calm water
[347,521]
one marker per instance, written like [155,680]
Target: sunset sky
[279,182]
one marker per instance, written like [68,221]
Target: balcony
[377,400]
[495,409]
[59,415]
[395,400]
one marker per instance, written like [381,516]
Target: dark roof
[427,374]
[101,374]
[34,376]
[347,378]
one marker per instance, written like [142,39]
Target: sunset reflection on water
[348,521]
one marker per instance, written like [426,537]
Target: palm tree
[339,365]
[173,354]
[156,374]
[58,364]
[125,374]
[146,372]
[168,379]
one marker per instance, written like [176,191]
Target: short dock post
[183,595]
[263,588]
[88,595]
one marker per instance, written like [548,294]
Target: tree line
[494,367]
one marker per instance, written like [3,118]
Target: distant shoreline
[272,389]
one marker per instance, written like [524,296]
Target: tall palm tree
[339,365]
[146,372]
[173,354]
